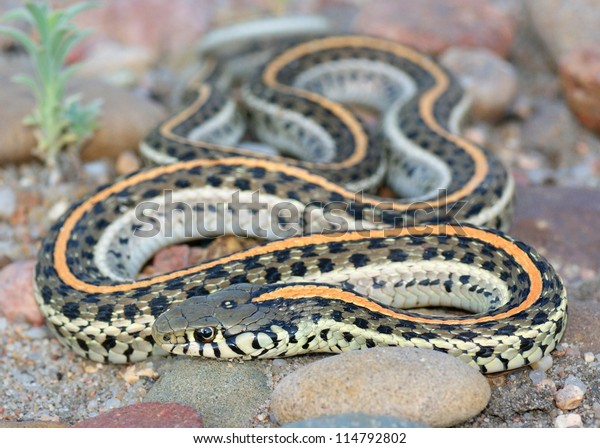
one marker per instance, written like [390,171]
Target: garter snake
[360,264]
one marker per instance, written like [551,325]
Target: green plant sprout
[61,123]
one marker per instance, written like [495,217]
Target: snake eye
[205,334]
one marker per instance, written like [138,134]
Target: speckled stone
[406,383]
[146,415]
[226,394]
[354,421]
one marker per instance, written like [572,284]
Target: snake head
[224,324]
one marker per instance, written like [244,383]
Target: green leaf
[30,120]
[63,49]
[58,121]
[16,14]
[39,12]
[77,8]
[28,81]
[20,37]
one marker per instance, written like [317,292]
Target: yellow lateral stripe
[495,240]
[426,104]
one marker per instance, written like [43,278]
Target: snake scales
[343,270]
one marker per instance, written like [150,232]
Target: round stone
[406,383]
[491,81]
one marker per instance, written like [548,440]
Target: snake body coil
[321,291]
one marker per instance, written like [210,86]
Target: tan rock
[127,162]
[412,384]
[125,118]
[569,397]
[563,25]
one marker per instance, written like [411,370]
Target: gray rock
[491,81]
[226,394]
[354,421]
[404,383]
[551,129]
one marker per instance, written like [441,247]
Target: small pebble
[57,210]
[127,162]
[537,376]
[572,351]
[8,202]
[111,403]
[574,381]
[543,364]
[568,421]
[37,333]
[589,357]
[547,383]
[596,409]
[98,170]
[570,396]
[279,362]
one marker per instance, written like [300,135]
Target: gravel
[42,380]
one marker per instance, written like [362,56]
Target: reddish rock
[221,247]
[146,415]
[434,25]
[169,259]
[17,301]
[167,28]
[580,78]
[31,424]
[560,224]
[582,326]
[180,256]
